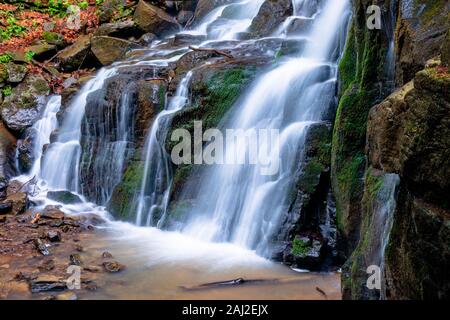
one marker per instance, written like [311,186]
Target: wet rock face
[7,156]
[206,6]
[407,134]
[109,49]
[155,20]
[22,108]
[271,14]
[420,33]
[78,55]
[308,231]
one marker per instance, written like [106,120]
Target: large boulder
[110,49]
[206,6]
[421,30]
[22,108]
[271,14]
[122,29]
[7,156]
[78,55]
[155,20]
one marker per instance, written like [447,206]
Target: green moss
[300,247]
[361,71]
[121,203]
[161,97]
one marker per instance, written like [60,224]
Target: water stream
[239,210]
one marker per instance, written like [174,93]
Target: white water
[239,205]
[157,174]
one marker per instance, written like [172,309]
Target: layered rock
[23,107]
[155,20]
[270,16]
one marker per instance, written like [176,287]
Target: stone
[107,255]
[271,14]
[19,202]
[47,265]
[75,259]
[25,150]
[147,39]
[113,266]
[65,197]
[184,17]
[109,49]
[16,72]
[22,108]
[109,9]
[206,6]
[122,29]
[41,246]
[155,20]
[187,39]
[47,283]
[77,55]
[52,212]
[5,207]
[67,296]
[54,236]
[445,50]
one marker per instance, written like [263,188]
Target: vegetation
[300,247]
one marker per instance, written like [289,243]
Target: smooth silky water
[227,236]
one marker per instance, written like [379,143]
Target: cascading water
[236,203]
[156,182]
[60,164]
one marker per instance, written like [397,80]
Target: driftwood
[233,282]
[321,292]
[219,52]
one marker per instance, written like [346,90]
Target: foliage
[7,90]
[5,58]
[300,247]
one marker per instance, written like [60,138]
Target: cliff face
[391,183]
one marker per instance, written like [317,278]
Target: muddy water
[165,265]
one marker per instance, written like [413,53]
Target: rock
[109,49]
[42,51]
[65,197]
[22,108]
[54,236]
[16,72]
[41,247]
[187,39]
[5,207]
[147,39]
[18,202]
[206,6]
[419,36]
[47,283]
[66,296]
[75,259]
[7,158]
[94,269]
[25,150]
[184,17]
[53,38]
[2,219]
[77,56]
[271,14]
[107,255]
[445,50]
[155,20]
[52,212]
[47,265]
[113,266]
[109,9]
[122,29]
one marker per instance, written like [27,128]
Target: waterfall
[236,203]
[156,182]
[60,164]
